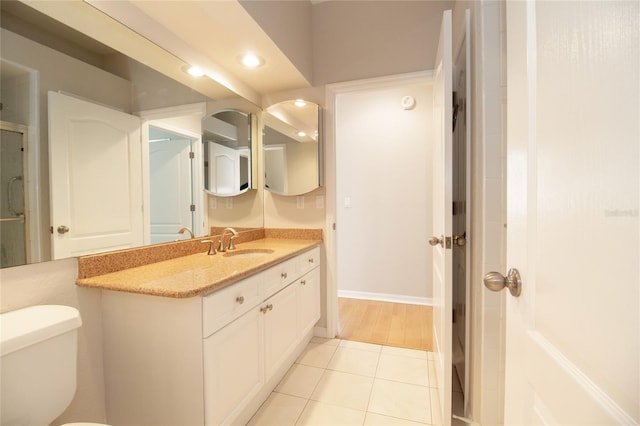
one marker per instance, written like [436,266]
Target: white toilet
[38,346]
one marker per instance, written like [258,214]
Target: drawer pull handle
[311,260]
[240,300]
[266,308]
[284,275]
[303,282]
[270,306]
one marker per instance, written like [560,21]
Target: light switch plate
[300,202]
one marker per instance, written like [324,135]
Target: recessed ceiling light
[251,60]
[195,71]
[302,134]
[300,103]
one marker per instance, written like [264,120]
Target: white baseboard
[383,297]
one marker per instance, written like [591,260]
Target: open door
[442,216]
[172,205]
[95,170]
[573,162]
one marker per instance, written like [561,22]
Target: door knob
[495,281]
[460,240]
[434,241]
[62,229]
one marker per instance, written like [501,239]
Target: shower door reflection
[13,241]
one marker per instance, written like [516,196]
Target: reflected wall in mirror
[291,147]
[226,138]
[40,54]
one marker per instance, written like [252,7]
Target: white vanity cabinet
[245,358]
[208,360]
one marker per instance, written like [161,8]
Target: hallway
[385,323]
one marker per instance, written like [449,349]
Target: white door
[573,223]
[170,188]
[95,166]
[442,216]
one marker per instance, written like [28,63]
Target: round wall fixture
[408,102]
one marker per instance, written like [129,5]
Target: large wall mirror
[227,142]
[40,55]
[291,147]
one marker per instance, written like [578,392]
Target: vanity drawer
[278,276]
[308,260]
[223,306]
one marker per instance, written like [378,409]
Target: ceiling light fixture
[300,103]
[302,134]
[251,60]
[195,71]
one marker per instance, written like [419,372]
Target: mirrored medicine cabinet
[227,143]
[291,147]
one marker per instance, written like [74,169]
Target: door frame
[162,119]
[329,231]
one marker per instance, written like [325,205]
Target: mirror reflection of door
[13,238]
[226,137]
[95,155]
[170,185]
[275,168]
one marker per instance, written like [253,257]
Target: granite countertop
[198,274]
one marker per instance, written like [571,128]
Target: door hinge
[192,207]
[192,155]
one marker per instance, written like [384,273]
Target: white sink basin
[248,253]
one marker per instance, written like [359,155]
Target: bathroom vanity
[187,348]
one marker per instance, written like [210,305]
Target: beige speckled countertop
[198,274]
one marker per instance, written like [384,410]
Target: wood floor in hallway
[386,323]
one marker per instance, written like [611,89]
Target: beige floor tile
[278,410]
[343,389]
[412,353]
[403,369]
[320,414]
[316,355]
[300,380]
[401,400]
[360,345]
[354,361]
[373,419]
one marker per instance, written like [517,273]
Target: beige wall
[354,40]
[54,283]
[281,19]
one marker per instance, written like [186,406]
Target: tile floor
[340,382]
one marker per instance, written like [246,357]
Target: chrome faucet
[182,231]
[232,246]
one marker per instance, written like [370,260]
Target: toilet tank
[38,347]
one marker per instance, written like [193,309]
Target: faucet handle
[232,244]
[212,249]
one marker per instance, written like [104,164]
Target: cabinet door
[308,301]
[233,367]
[280,328]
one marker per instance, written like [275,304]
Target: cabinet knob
[284,275]
[266,308]
[240,300]
[303,282]
[311,260]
